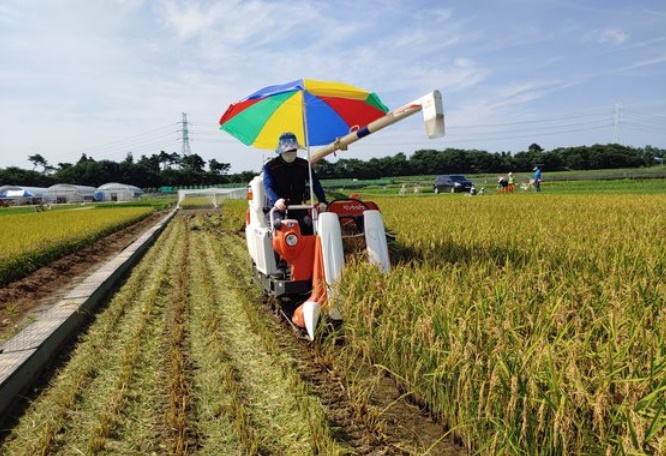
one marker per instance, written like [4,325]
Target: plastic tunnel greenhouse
[67,193]
[114,191]
[18,194]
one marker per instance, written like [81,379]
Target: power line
[128,144]
[653,116]
[168,136]
[617,124]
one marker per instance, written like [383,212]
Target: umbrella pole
[310,172]
[314,213]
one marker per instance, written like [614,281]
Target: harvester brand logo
[353,207]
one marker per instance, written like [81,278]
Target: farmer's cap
[287,143]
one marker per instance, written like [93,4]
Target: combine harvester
[289,262]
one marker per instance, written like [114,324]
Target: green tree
[151,163]
[164,160]
[427,161]
[174,159]
[535,148]
[38,160]
[193,162]
[218,168]
[16,176]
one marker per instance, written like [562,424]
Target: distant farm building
[114,191]
[16,195]
[68,193]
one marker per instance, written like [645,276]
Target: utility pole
[617,124]
[186,137]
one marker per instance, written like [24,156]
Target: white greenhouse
[18,194]
[114,191]
[68,193]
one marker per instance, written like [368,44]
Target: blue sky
[108,77]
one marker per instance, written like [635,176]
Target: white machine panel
[261,246]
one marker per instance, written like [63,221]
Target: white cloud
[659,60]
[612,36]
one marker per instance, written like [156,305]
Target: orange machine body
[298,250]
[303,252]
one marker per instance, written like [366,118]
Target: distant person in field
[537,178]
[285,180]
[503,184]
[511,183]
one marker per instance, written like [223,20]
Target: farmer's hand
[323,207]
[281,205]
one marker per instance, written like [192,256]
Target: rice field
[183,360]
[532,324]
[527,324]
[31,239]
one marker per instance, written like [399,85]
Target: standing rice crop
[30,240]
[530,325]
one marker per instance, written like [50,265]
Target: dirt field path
[187,359]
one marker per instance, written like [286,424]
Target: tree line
[158,170]
[172,169]
[460,161]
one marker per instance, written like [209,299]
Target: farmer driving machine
[304,261]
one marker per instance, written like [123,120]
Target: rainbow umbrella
[317,112]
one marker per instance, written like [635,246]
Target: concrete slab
[10,362]
[33,336]
[83,290]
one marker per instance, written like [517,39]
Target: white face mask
[289,157]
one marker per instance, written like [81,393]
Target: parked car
[452,183]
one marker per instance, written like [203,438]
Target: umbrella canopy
[317,112]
